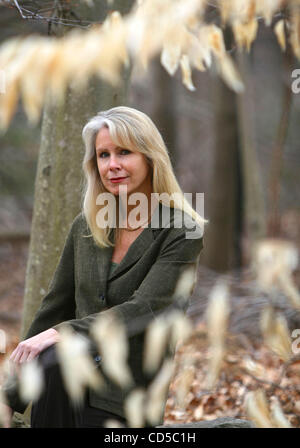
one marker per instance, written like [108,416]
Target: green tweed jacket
[138,289]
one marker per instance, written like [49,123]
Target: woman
[121,265]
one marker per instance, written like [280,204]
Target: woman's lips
[118,180]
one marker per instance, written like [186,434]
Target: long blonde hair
[130,129]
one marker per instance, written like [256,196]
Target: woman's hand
[6,413]
[30,348]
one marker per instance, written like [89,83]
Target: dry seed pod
[289,288]
[33,83]
[183,385]
[114,355]
[294,32]
[280,34]
[230,74]
[225,10]
[78,369]
[272,257]
[31,381]
[149,26]
[267,321]
[186,282]
[4,412]
[170,57]
[143,32]
[134,408]
[217,313]
[216,357]
[216,40]
[111,423]
[283,344]
[257,409]
[204,49]
[253,367]
[172,328]
[157,391]
[186,72]
[180,328]
[275,333]
[232,10]
[155,344]
[267,8]
[277,415]
[245,33]
[7,368]
[225,64]
[9,50]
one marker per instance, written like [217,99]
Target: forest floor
[227,398]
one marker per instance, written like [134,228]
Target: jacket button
[102,296]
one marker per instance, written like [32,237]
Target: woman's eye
[103,154]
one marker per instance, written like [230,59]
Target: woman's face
[120,166]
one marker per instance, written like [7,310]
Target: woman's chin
[116,190]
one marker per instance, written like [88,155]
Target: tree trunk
[254,210]
[163,112]
[221,251]
[59,177]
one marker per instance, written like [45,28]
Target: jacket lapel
[104,256]
[160,218]
[134,253]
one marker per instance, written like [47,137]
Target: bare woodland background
[220,143]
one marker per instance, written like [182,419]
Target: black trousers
[54,408]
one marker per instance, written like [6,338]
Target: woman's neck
[143,211]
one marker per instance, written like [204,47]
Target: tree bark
[58,183]
[274,221]
[221,202]
[163,112]
[254,209]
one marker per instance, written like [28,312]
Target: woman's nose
[114,162]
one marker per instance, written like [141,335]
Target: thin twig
[19,9]
[271,383]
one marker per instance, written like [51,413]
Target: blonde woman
[117,260]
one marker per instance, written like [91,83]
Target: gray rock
[223,422]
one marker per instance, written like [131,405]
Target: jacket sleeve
[58,305]
[156,292]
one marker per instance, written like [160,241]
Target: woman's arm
[57,306]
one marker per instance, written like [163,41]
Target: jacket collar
[135,251]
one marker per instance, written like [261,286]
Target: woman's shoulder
[179,222]
[79,223]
